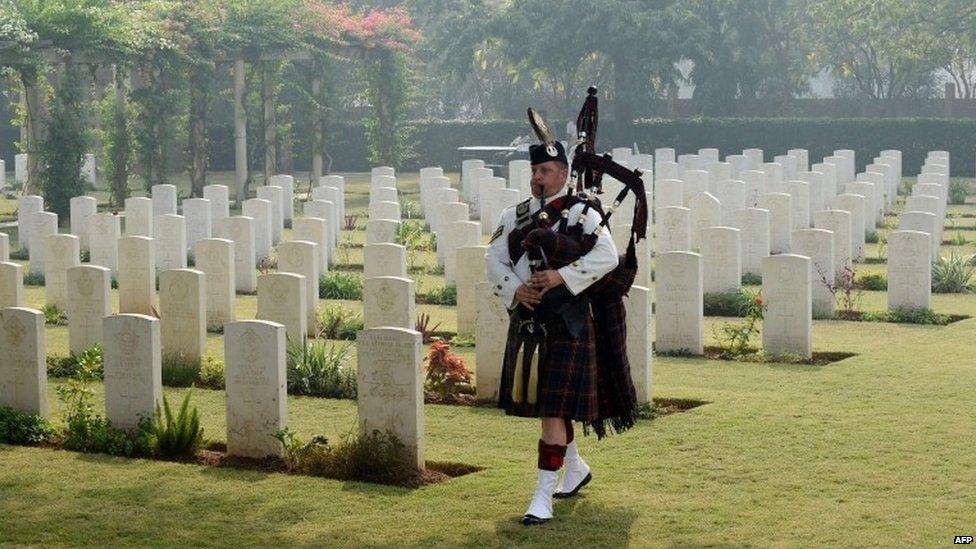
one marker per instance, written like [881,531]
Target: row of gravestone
[390,389]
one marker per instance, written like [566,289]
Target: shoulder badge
[498,232]
[522,216]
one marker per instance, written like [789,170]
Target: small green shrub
[378,457]
[957,239]
[320,369]
[89,360]
[20,254]
[180,371]
[874,282]
[871,237]
[33,279]
[446,295]
[54,316]
[958,189]
[728,303]
[463,340]
[909,316]
[751,279]
[211,374]
[735,336]
[952,275]
[176,436]
[340,285]
[84,256]
[17,427]
[339,322]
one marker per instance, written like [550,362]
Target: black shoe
[584,482]
[532,520]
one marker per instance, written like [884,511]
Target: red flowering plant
[447,374]
[735,337]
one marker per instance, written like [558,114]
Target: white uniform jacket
[505,278]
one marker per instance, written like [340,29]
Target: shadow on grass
[577,523]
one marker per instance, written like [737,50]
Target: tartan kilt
[567,385]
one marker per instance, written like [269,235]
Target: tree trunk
[199,89]
[32,98]
[317,127]
[270,124]
[240,134]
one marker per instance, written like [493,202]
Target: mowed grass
[873,449]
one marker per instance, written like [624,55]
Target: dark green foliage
[340,285]
[54,316]
[84,256]
[728,303]
[751,279]
[117,137]
[320,369]
[387,92]
[952,275]
[910,316]
[17,427]
[871,237]
[20,254]
[958,189]
[446,295]
[211,374]
[177,436]
[378,457]
[339,323]
[65,144]
[179,371]
[874,282]
[64,367]
[33,279]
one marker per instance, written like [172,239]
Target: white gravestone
[199,226]
[23,370]
[325,209]
[20,168]
[695,181]
[11,285]
[240,231]
[839,223]
[282,299]
[921,221]
[470,272]
[88,171]
[88,303]
[138,217]
[314,229]
[818,245]
[872,211]
[774,177]
[274,196]
[451,212]
[170,242]
[133,369]
[490,335]
[337,197]
[451,237]
[780,220]
[799,192]
[390,381]
[639,352]
[679,316]
[82,207]
[215,258]
[855,205]
[4,247]
[486,186]
[287,185]
[383,194]
[389,301]
[705,211]
[382,231]
[27,206]
[62,252]
[106,229]
[787,320]
[721,259]
[753,224]
[219,197]
[260,210]
[384,210]
[384,260]
[731,195]
[302,258]
[163,200]
[256,386]
[909,270]
[43,224]
[183,313]
[670,193]
[137,275]
[672,229]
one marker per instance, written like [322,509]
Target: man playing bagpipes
[553,262]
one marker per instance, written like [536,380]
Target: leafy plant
[339,322]
[871,237]
[20,254]
[958,189]
[874,282]
[463,340]
[423,326]
[177,436]
[751,279]
[447,373]
[728,303]
[17,427]
[957,239]
[952,275]
[320,369]
[179,370]
[54,316]
[340,285]
[33,279]
[736,336]
[378,457]
[211,374]
[446,295]
[845,289]
[65,143]
[909,316]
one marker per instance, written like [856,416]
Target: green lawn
[873,449]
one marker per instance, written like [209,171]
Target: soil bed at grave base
[215,455]
[820,358]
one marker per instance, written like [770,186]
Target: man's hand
[543,281]
[527,296]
